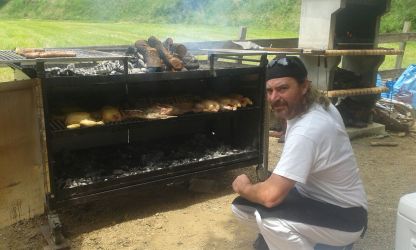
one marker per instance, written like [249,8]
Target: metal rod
[236,58]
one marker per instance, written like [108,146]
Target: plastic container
[406,223]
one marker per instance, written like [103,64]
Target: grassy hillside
[40,33]
[400,11]
[280,14]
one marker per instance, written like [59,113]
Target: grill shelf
[58,127]
[11,57]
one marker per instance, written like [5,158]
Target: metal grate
[8,56]
[84,53]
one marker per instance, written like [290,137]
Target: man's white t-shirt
[317,154]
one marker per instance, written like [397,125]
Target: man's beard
[282,110]
[277,109]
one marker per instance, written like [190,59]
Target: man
[314,195]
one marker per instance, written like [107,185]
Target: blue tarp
[404,88]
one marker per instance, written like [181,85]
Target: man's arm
[269,193]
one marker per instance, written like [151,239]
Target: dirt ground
[176,218]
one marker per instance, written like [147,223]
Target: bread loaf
[76,117]
[90,123]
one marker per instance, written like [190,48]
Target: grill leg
[53,233]
[262,169]
[262,172]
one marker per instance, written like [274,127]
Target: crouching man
[315,195]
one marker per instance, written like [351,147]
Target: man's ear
[306,86]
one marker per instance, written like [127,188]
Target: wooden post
[243,36]
[399,58]
[243,33]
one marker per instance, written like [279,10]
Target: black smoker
[96,162]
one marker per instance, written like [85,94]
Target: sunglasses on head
[284,61]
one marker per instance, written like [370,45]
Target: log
[177,49]
[151,55]
[168,43]
[170,61]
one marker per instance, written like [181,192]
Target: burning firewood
[179,50]
[176,49]
[151,55]
[171,61]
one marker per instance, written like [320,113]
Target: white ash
[154,164]
[136,65]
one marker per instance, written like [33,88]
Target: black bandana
[286,67]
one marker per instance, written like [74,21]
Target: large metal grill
[89,163]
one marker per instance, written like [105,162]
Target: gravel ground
[176,218]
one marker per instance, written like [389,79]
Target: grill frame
[54,137]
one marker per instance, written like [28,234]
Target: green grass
[6,74]
[409,55]
[40,33]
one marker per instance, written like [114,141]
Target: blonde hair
[313,95]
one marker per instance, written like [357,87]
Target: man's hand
[240,182]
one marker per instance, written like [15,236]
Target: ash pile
[145,56]
[85,167]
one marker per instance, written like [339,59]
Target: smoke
[183,20]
